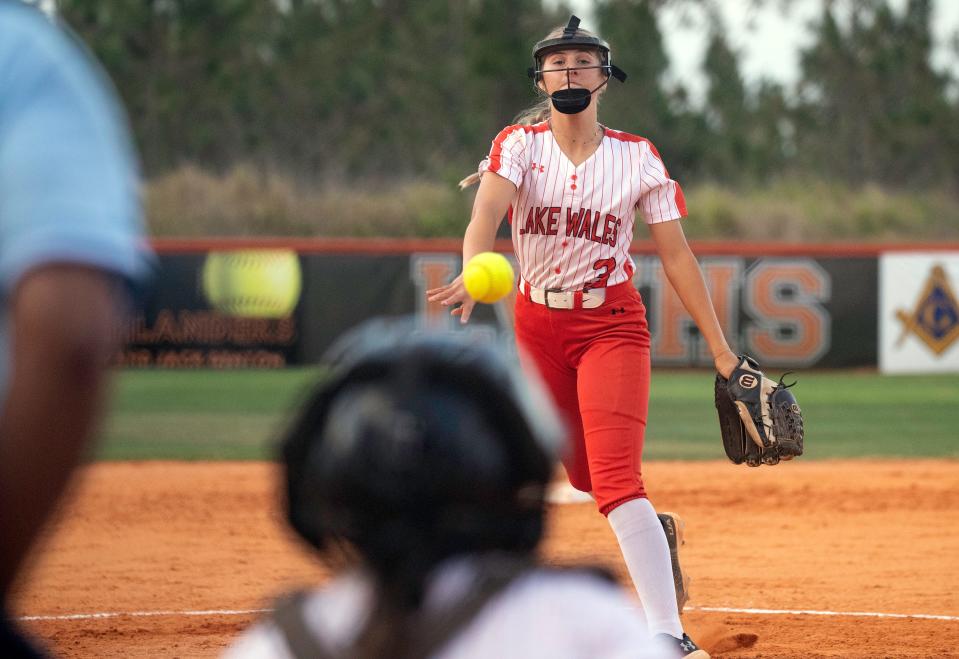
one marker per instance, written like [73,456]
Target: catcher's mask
[420,444]
[573,100]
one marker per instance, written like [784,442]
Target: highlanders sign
[919,312]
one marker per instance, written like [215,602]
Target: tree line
[387,90]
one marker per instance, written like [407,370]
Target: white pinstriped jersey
[572,225]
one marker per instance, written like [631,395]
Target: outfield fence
[789,305]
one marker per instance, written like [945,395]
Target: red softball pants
[596,364]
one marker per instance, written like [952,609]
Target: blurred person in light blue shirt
[71,252]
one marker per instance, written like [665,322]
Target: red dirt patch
[842,536]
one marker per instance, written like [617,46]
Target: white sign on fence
[919,312]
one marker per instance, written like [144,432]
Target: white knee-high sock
[643,543]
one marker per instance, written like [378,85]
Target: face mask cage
[570,99]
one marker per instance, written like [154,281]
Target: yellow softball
[488,277]
[262,283]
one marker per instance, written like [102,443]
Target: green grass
[847,415]
[200,415]
[213,415]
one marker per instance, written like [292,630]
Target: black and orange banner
[784,308]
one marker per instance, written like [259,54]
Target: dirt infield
[161,559]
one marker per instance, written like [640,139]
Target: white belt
[557,299]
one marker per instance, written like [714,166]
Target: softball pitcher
[572,188]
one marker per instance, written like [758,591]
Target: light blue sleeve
[69,185]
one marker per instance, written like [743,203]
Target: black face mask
[574,100]
[571,101]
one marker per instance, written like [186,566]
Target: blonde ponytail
[472,179]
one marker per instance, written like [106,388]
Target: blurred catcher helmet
[573,100]
[420,445]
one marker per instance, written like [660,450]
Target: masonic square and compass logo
[935,320]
